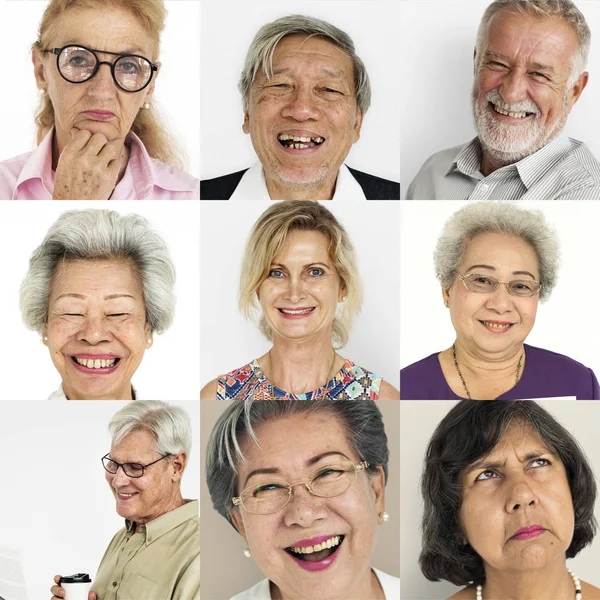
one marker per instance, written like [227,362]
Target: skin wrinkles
[487,360]
[514,50]
[289,444]
[527,486]
[311,91]
[97,307]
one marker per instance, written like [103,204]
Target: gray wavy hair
[101,234]
[169,425]
[564,9]
[501,217]
[260,53]
[362,422]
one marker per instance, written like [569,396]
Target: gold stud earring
[247,553]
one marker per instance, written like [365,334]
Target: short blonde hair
[268,236]
[148,124]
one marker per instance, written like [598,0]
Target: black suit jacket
[374,188]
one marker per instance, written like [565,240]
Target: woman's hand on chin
[88,167]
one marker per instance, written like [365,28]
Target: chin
[103,127]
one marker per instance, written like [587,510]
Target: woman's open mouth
[96,366]
[295,313]
[318,557]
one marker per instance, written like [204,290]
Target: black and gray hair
[362,422]
[169,425]
[469,432]
[504,218]
[94,234]
[565,9]
[260,53]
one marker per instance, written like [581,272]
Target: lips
[316,554]
[497,326]
[526,533]
[296,313]
[97,364]
[294,140]
[513,114]
[100,115]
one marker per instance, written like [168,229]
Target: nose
[500,301]
[295,290]
[301,105]
[514,86]
[521,496]
[94,330]
[102,85]
[119,479]
[303,508]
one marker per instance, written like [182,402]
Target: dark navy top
[546,375]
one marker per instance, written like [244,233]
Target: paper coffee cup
[76,586]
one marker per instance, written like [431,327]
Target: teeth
[330,543]
[508,113]
[284,137]
[295,312]
[95,364]
[496,325]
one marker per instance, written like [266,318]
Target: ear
[446,295]
[358,124]
[475,59]
[45,335]
[178,463]
[148,335]
[149,91]
[246,123]
[578,88]
[238,522]
[343,291]
[39,69]
[377,482]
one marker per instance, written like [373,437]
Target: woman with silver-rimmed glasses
[150,446]
[99,135]
[495,262]
[304,484]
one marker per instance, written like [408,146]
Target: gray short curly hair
[169,425]
[260,53]
[497,217]
[101,234]
[565,9]
[362,421]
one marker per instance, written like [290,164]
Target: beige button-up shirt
[160,562]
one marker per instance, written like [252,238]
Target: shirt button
[114,584]
[485,187]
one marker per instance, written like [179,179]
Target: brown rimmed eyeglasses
[484,284]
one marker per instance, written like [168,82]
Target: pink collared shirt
[30,176]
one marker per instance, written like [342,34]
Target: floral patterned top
[351,382]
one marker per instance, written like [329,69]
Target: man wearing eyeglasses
[156,554]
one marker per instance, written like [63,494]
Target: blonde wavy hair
[267,238]
[148,124]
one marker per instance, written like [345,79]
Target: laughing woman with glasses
[495,262]
[304,484]
[99,135]
[151,443]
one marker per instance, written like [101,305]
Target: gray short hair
[260,53]
[497,217]
[170,425]
[565,9]
[94,234]
[362,420]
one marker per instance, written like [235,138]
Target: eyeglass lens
[131,469]
[78,64]
[331,480]
[518,287]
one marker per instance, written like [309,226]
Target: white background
[228,341]
[56,507]
[417,423]
[437,41]
[169,369]
[566,323]
[177,92]
[228,28]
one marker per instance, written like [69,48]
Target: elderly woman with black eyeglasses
[304,484]
[99,135]
[151,443]
[495,262]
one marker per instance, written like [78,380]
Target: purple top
[546,375]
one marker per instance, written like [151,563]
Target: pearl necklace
[576,583]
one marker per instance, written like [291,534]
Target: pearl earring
[384,517]
[146,105]
[344,298]
[247,552]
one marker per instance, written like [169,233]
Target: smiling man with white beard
[529,71]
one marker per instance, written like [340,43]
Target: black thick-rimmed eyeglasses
[130,469]
[78,64]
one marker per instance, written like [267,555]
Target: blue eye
[276,273]
[316,272]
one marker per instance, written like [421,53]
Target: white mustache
[524,106]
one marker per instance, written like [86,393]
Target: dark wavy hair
[466,434]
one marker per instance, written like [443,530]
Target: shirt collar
[165,523]
[253,185]
[531,169]
[142,174]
